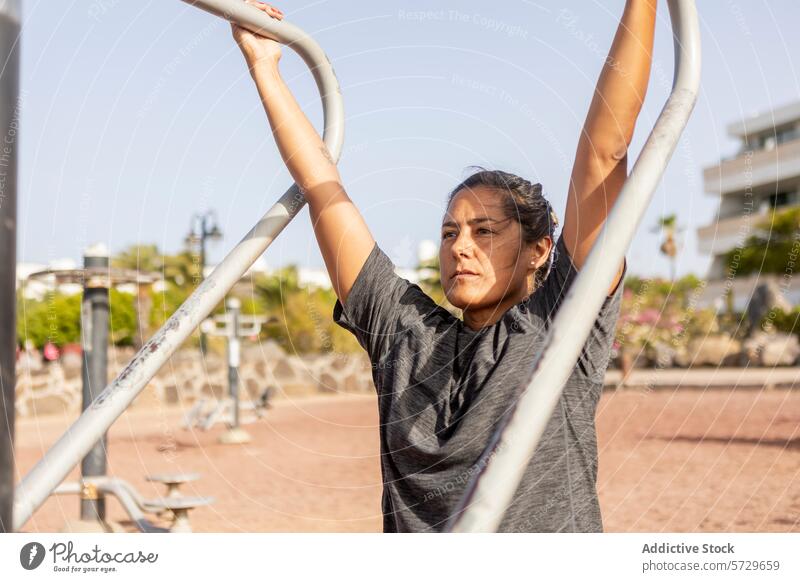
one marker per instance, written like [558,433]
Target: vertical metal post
[9,126]
[208,229]
[202,275]
[94,337]
[235,435]
[234,309]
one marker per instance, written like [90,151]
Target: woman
[444,383]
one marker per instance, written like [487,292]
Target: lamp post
[203,226]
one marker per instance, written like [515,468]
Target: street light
[203,226]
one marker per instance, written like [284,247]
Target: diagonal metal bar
[51,470]
[503,464]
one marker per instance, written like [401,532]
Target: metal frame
[56,464]
[9,121]
[506,458]
[513,445]
[134,504]
[130,501]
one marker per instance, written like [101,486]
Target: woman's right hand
[255,47]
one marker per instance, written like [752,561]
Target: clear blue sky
[136,114]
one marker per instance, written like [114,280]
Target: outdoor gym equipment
[512,447]
[37,485]
[231,325]
[97,278]
[173,504]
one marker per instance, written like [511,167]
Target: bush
[659,312]
[166,302]
[122,319]
[306,324]
[57,319]
[786,321]
[771,249]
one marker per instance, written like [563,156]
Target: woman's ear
[541,252]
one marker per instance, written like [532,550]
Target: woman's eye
[447,234]
[484,231]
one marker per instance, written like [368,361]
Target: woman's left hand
[254,46]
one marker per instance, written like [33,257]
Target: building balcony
[728,233]
[759,170]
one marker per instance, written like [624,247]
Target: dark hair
[524,202]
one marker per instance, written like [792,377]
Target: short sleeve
[381,305]
[546,300]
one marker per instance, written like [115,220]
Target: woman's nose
[463,244]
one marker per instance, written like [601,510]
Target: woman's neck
[477,318]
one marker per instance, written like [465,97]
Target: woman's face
[483,261]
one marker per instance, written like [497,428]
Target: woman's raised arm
[344,238]
[601,162]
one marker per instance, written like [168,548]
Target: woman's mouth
[464,276]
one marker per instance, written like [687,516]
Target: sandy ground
[670,460]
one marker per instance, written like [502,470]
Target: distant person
[51,352]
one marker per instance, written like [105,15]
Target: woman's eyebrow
[474,221]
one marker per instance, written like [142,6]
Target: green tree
[146,258]
[773,248]
[57,319]
[181,269]
[787,321]
[166,302]
[122,318]
[305,323]
[272,289]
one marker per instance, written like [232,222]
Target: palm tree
[144,258]
[669,226]
[179,270]
[273,289]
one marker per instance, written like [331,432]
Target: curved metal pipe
[56,464]
[130,502]
[506,458]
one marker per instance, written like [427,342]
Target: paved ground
[707,377]
[694,460]
[673,460]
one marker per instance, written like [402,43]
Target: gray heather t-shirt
[442,388]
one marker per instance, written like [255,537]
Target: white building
[426,250]
[38,288]
[764,174]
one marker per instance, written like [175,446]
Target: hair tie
[552,219]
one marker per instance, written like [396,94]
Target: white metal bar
[51,470]
[506,458]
